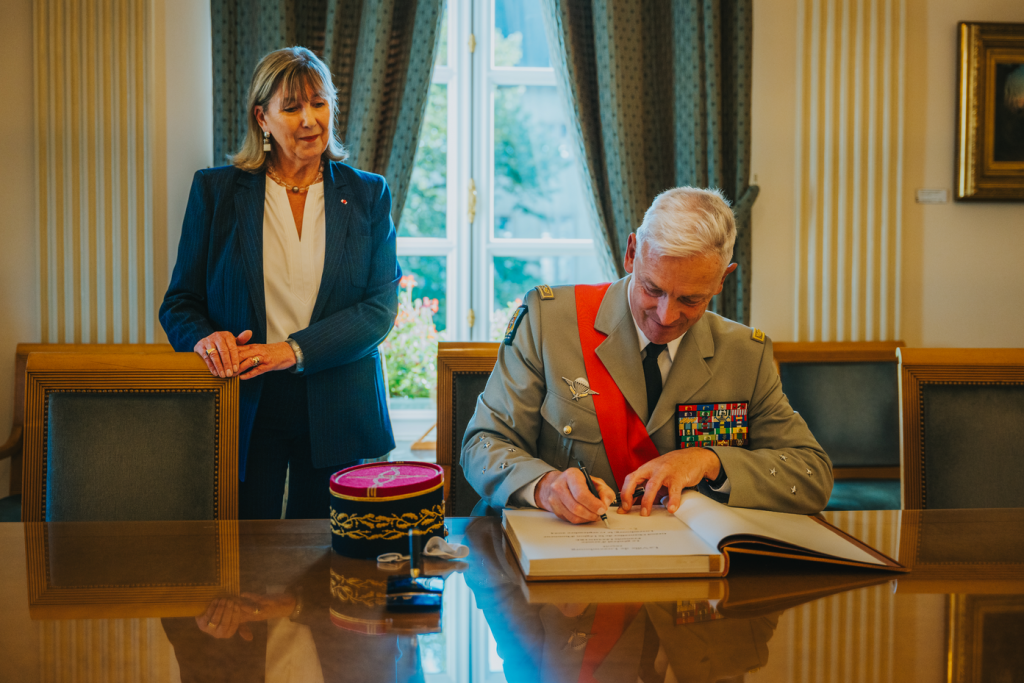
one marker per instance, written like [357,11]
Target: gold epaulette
[757,335]
[545,292]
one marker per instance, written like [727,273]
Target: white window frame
[487,78]
[469,248]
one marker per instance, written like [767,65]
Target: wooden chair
[848,394]
[462,372]
[128,437]
[962,430]
[13,447]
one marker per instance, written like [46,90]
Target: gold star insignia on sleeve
[793,490]
[772,472]
[784,458]
[809,473]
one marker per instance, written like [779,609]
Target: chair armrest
[13,445]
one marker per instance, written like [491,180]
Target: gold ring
[210,350]
[212,623]
[255,360]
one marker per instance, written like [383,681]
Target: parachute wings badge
[580,388]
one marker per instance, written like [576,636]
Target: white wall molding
[849,169]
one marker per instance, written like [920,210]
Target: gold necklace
[296,188]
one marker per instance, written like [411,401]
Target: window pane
[519,38]
[514,277]
[442,43]
[424,212]
[537,189]
[411,349]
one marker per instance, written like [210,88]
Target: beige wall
[184,126]
[964,283]
[961,282]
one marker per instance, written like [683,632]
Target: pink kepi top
[386,480]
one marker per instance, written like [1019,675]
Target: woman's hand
[256,359]
[226,616]
[220,351]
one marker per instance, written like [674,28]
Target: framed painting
[990,115]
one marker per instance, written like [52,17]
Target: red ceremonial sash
[610,622]
[624,434]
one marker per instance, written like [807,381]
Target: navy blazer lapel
[249,202]
[336,217]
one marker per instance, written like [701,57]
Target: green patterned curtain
[661,91]
[389,44]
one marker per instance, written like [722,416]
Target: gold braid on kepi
[375,506]
[372,526]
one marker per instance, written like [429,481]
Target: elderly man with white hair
[637,382]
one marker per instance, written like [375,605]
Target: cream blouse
[292,268]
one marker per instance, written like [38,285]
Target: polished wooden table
[118,602]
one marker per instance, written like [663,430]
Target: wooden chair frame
[842,352]
[165,372]
[941,366]
[456,358]
[12,448]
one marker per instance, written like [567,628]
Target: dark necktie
[652,376]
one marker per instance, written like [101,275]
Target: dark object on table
[414,601]
[422,584]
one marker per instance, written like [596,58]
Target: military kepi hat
[374,506]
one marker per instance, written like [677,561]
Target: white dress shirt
[292,267]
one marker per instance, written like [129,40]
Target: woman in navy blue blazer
[287,277]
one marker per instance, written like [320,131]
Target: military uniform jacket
[526,421]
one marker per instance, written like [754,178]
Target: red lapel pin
[344,201]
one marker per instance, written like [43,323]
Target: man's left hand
[675,471]
[271,357]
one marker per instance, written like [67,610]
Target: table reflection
[120,605]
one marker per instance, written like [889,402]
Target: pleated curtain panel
[661,92]
[380,53]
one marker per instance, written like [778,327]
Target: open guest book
[695,541]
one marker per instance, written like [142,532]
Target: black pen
[593,490]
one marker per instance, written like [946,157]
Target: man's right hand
[220,352]
[566,494]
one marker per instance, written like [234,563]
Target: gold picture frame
[990,114]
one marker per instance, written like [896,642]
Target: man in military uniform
[643,387]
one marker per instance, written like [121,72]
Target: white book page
[714,521]
[543,536]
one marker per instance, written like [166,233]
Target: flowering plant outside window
[410,351]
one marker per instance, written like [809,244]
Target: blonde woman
[287,277]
